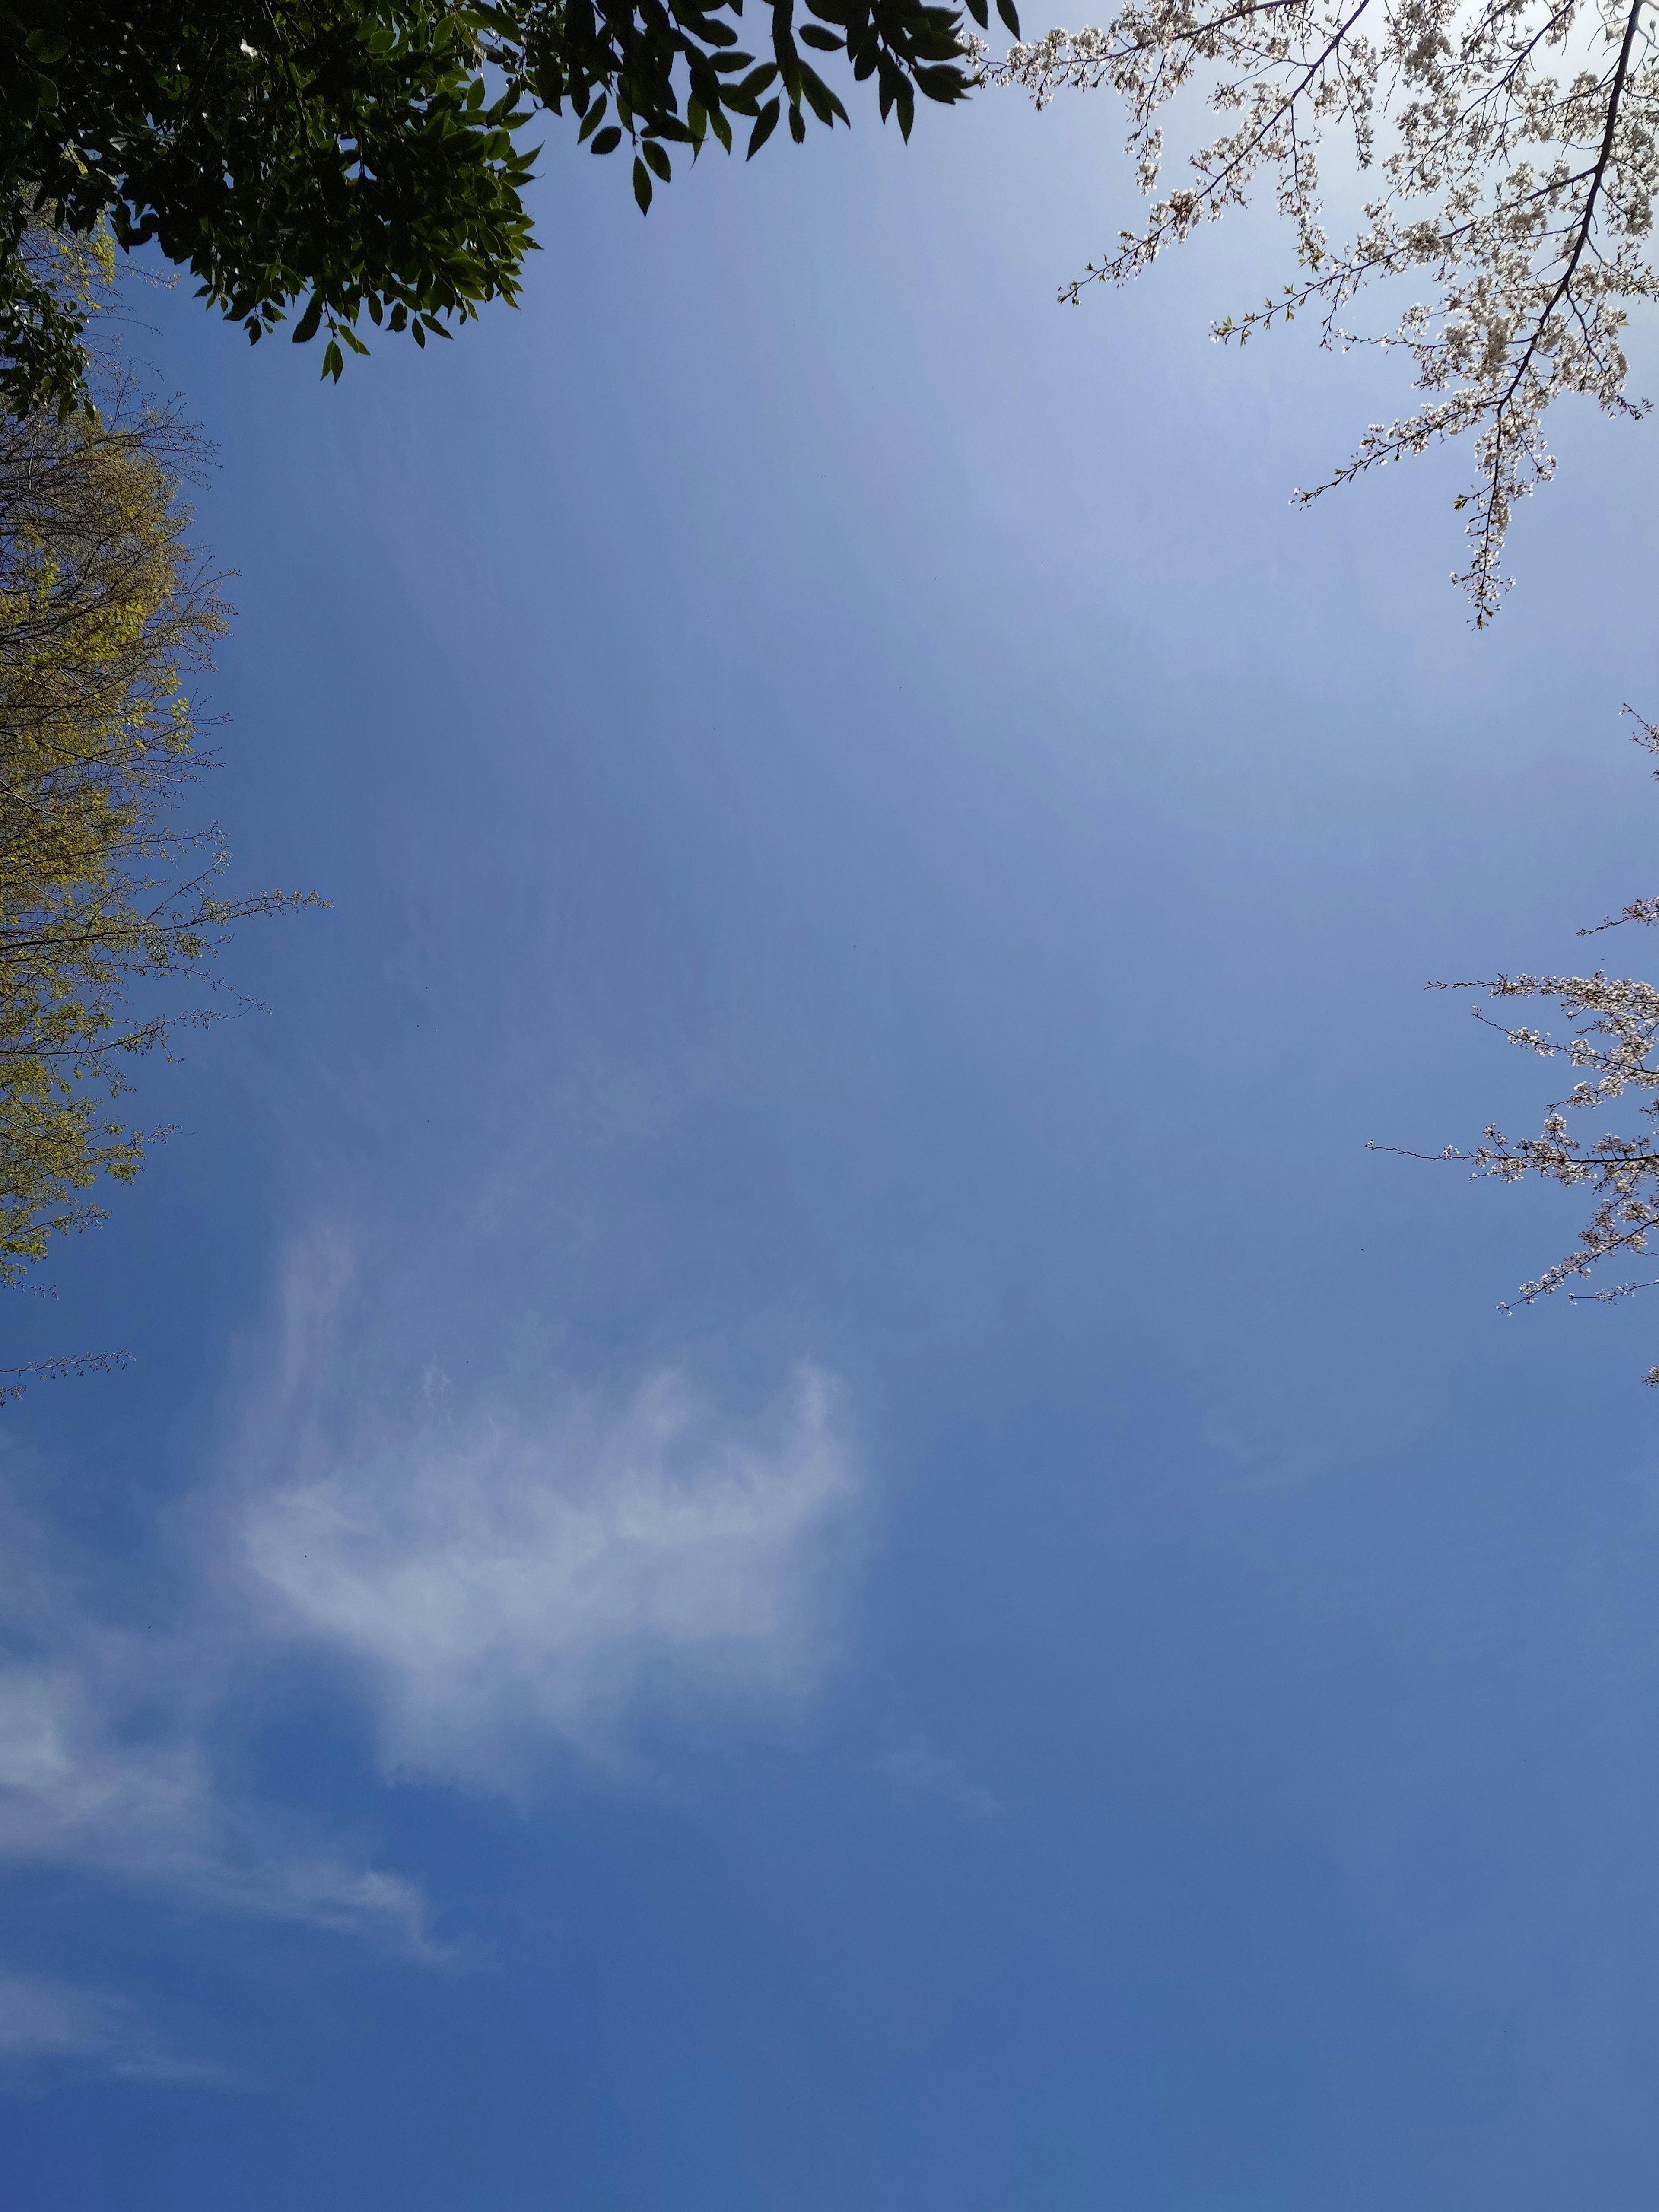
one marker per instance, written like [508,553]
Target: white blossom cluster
[1612,1043]
[1514,149]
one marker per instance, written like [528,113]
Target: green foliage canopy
[347,156]
[350,157]
[104,612]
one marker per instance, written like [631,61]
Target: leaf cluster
[661,74]
[336,161]
[339,157]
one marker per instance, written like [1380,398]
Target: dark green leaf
[824,104]
[763,129]
[941,83]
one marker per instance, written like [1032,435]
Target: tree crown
[105,613]
[338,159]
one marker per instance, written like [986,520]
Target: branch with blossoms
[1612,1041]
[1515,146]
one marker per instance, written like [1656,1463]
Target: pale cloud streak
[104,1769]
[507,1582]
[53,2025]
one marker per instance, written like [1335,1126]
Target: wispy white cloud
[510,1578]
[71,1790]
[48,2025]
[537,1566]
[104,1759]
[541,1570]
[103,1768]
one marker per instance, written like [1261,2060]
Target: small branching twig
[14,1381]
[1612,1041]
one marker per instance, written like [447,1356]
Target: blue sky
[797,1525]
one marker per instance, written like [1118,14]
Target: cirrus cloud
[507,1582]
[545,1570]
